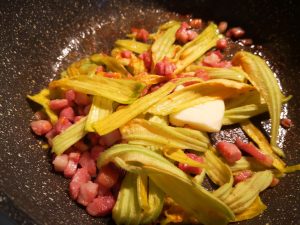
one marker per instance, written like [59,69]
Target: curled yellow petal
[232,73]
[291,169]
[257,136]
[262,77]
[244,193]
[111,63]
[194,49]
[198,93]
[119,90]
[132,45]
[124,115]
[42,98]
[254,210]
[149,79]
[162,135]
[163,43]
[179,156]
[142,184]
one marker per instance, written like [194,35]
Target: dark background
[40,38]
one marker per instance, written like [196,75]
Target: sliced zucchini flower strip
[42,98]
[194,49]
[198,93]
[119,90]
[69,137]
[255,209]
[257,136]
[191,196]
[244,193]
[111,63]
[232,73]
[220,174]
[163,43]
[101,108]
[132,45]
[127,209]
[262,77]
[164,135]
[124,115]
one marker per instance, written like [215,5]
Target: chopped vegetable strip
[192,197]
[149,79]
[200,177]
[101,108]
[242,113]
[197,47]
[81,67]
[163,43]
[124,115]
[261,76]
[291,169]
[132,45]
[159,119]
[248,98]
[142,185]
[69,137]
[42,98]
[218,171]
[197,94]
[247,163]
[127,209]
[244,193]
[263,144]
[179,156]
[232,73]
[166,25]
[254,210]
[111,63]
[164,135]
[155,203]
[220,174]
[136,66]
[119,90]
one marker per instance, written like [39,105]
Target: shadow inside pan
[40,38]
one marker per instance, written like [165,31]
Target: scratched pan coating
[40,38]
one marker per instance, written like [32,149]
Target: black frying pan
[40,38]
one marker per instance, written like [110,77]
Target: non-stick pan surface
[40,38]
